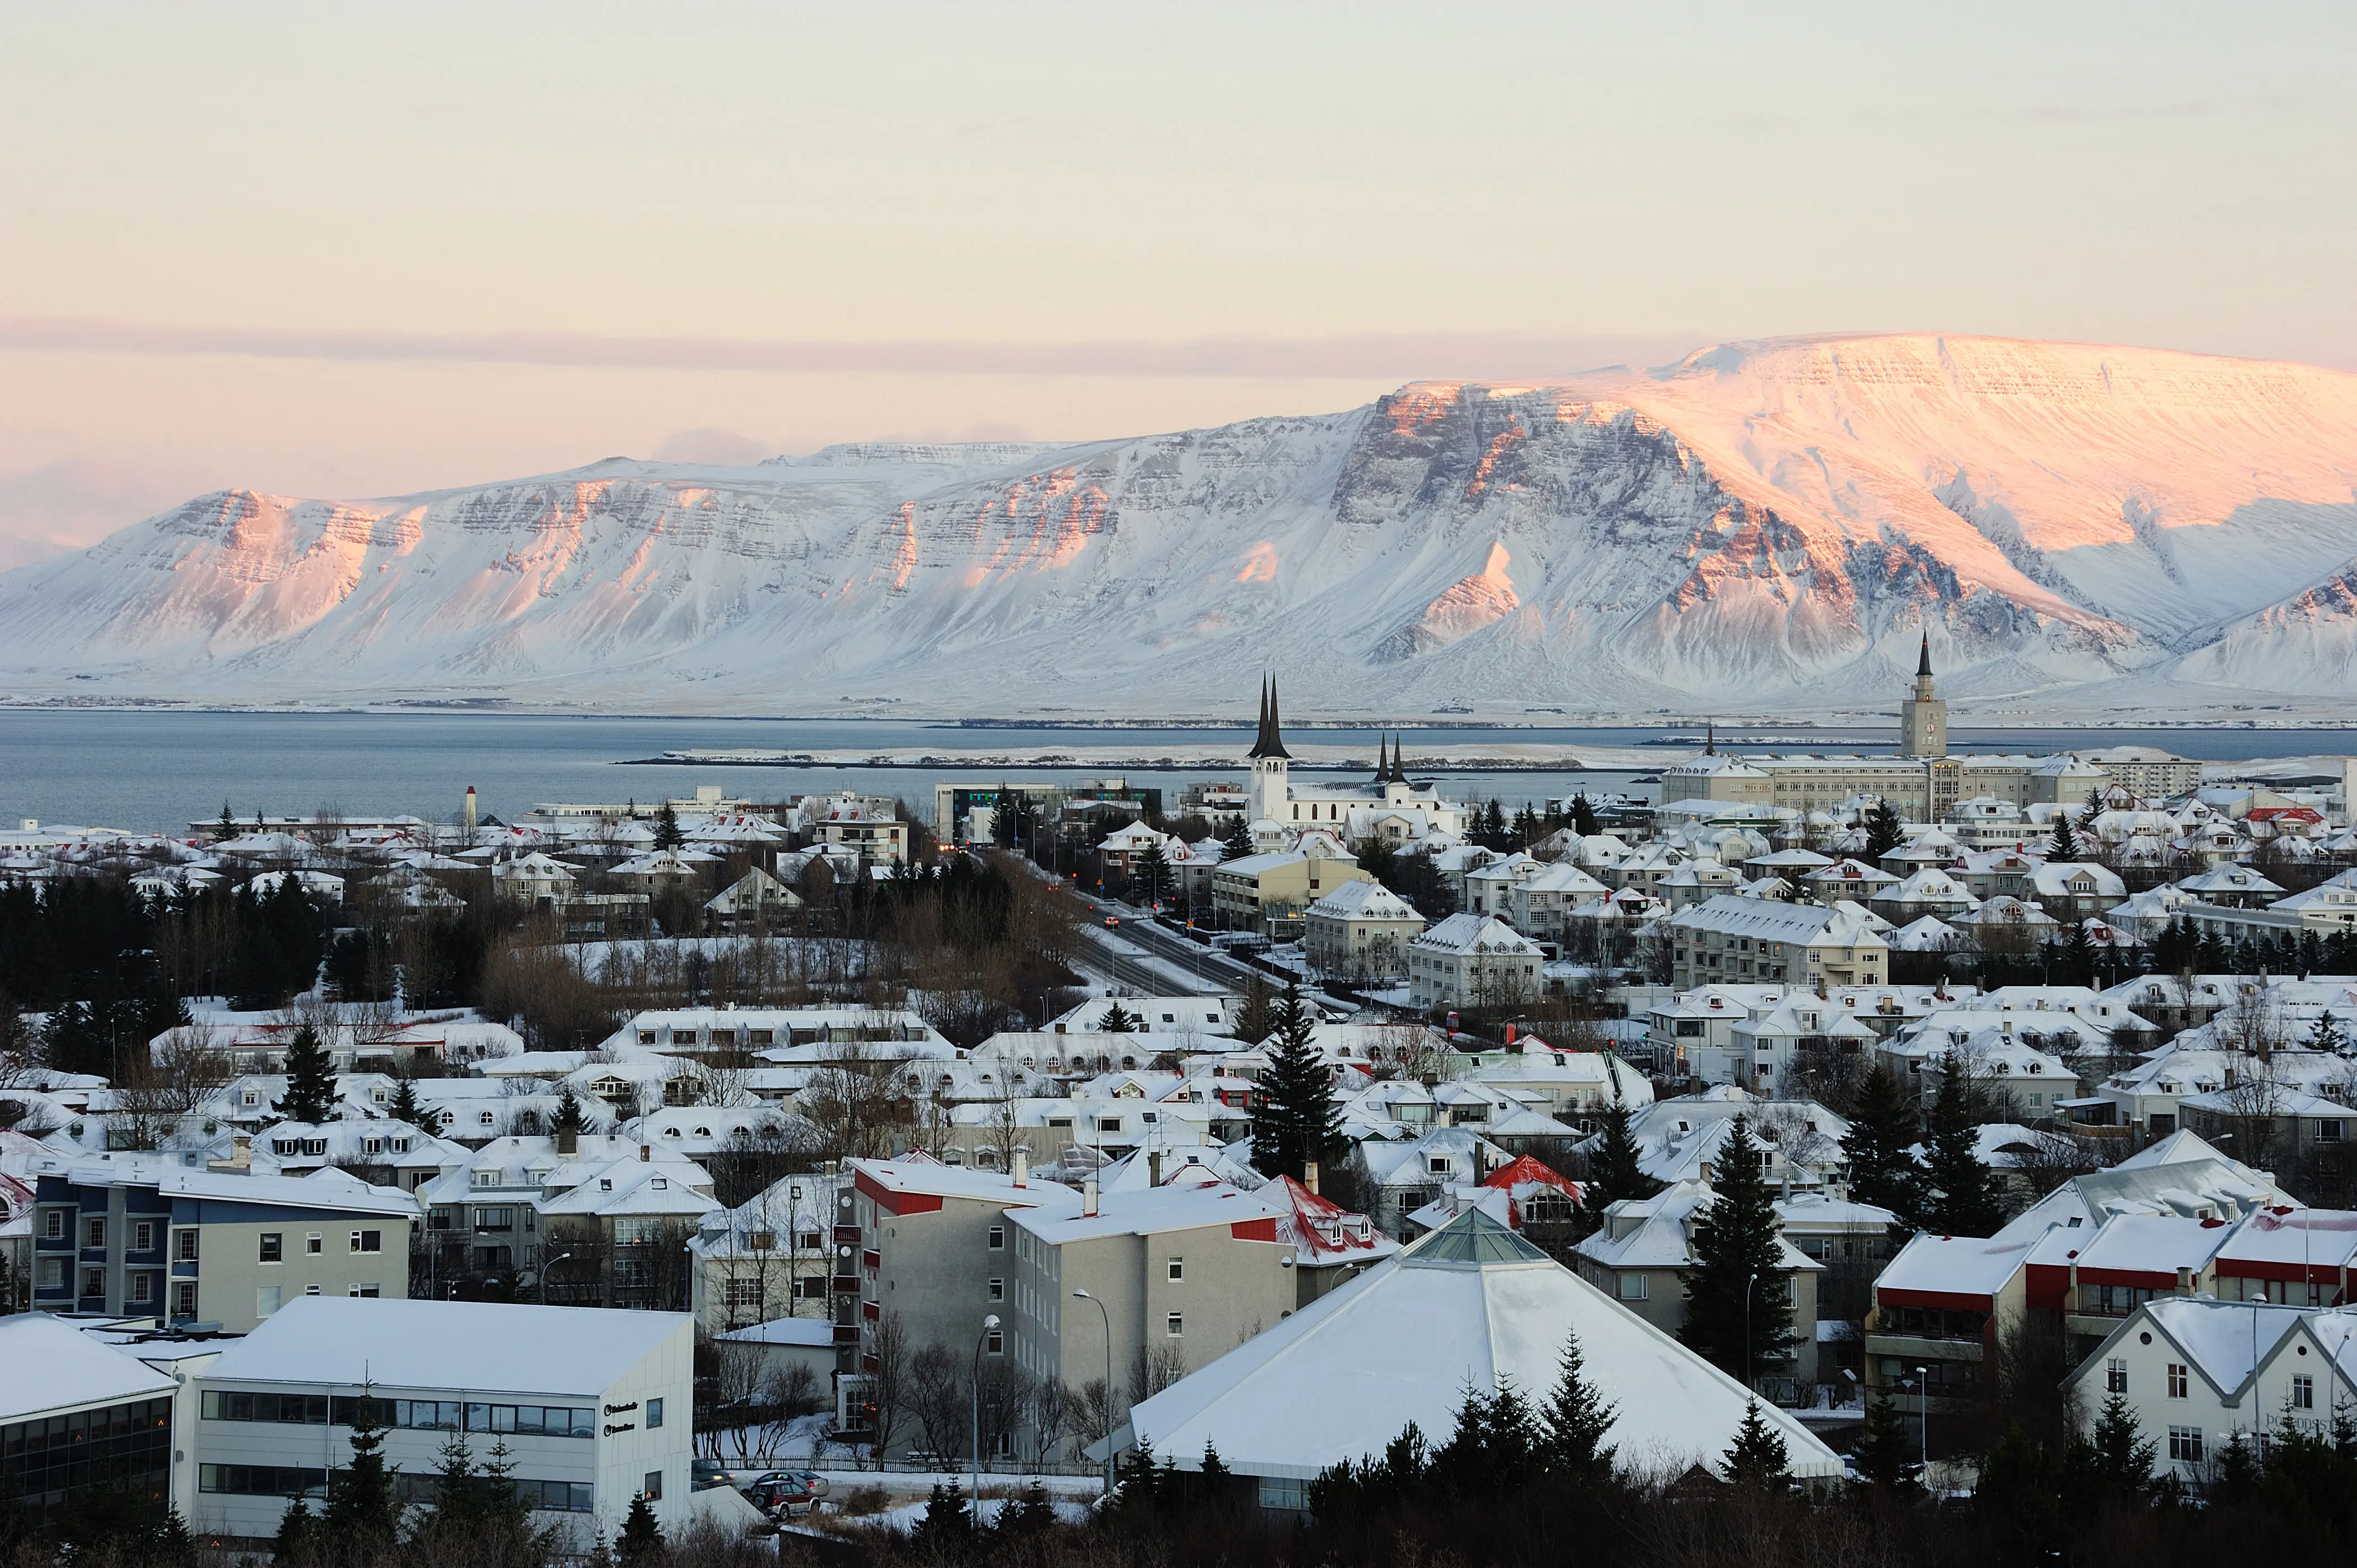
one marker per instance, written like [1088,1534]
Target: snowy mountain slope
[1761,525]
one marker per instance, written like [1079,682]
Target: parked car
[780,1496]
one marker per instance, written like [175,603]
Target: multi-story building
[1472,961]
[1745,939]
[1269,893]
[78,1416]
[145,1236]
[769,1257]
[1360,930]
[595,1409]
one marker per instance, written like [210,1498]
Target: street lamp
[1923,1377]
[544,1268]
[989,1326]
[1084,1295]
[1751,1279]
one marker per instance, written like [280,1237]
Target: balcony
[1924,1348]
[846,1333]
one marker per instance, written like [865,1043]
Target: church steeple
[1923,663]
[1399,760]
[1269,743]
[1383,762]
[1923,718]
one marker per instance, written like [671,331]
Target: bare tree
[167,1084]
[1050,1414]
[1154,1370]
[888,1383]
[937,1396]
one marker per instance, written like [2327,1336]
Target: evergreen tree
[1961,1196]
[1526,827]
[667,833]
[1882,1127]
[363,1513]
[310,1079]
[2326,1035]
[1738,1305]
[569,1117]
[1613,1170]
[1884,830]
[2116,1458]
[1153,874]
[298,1528]
[1757,1460]
[1583,816]
[1885,1450]
[1256,1019]
[172,1546]
[2074,959]
[1576,1420]
[405,1106]
[226,827]
[2064,845]
[641,1540]
[1118,1022]
[1493,834]
[1496,1448]
[1239,842]
[457,1489]
[1294,1119]
[74,1039]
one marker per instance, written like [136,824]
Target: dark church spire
[1269,743]
[1382,761]
[1399,760]
[1923,664]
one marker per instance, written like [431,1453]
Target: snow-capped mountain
[1762,525]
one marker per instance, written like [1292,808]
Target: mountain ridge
[1767,524]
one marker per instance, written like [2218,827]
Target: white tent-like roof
[1473,1302]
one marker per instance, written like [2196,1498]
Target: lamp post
[544,1268]
[989,1326]
[1923,1380]
[1084,1295]
[1751,1279]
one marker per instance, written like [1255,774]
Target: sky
[364,251]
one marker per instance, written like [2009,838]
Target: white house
[1471,960]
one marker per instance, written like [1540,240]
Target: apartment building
[145,1236]
[1360,931]
[1757,940]
[1472,961]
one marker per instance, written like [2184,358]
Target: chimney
[1154,1168]
[2184,1280]
[241,1157]
[1089,1199]
[470,808]
[1510,1034]
[1022,1165]
[1309,1174]
[568,1142]
[645,1153]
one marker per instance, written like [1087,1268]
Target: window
[2329,1131]
[142,1288]
[184,1300]
[653,1487]
[314,1243]
[489,1120]
[1178,1269]
[998,1290]
[142,1236]
[993,1343]
[2177,1380]
[93,1232]
[654,1414]
[1629,1287]
[2303,1392]
[266,1299]
[2115,1376]
[2185,1444]
[997,1238]
[369,1291]
[744,1293]
[54,1225]
[1175,1325]
[93,1284]
[311,1289]
[368,1242]
[272,1247]
[495,1220]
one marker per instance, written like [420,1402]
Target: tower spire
[1399,760]
[1269,743]
[1923,663]
[1382,761]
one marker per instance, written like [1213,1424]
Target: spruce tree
[171,1545]
[1153,874]
[641,1540]
[1583,816]
[1961,1193]
[2116,1455]
[310,1094]
[1256,1019]
[569,1117]
[1117,1021]
[1882,1127]
[2063,847]
[2075,963]
[2325,1034]
[1239,842]
[1757,1460]
[667,833]
[1884,1451]
[1737,1279]
[363,1514]
[458,1488]
[1294,1119]
[1577,1418]
[1884,830]
[405,1106]
[226,827]
[298,1528]
[1613,1169]
[1493,834]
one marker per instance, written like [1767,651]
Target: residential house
[1471,960]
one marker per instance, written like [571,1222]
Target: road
[1215,971]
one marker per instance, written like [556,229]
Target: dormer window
[604,1183]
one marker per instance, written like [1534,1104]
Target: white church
[1390,808]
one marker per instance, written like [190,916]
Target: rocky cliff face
[1762,525]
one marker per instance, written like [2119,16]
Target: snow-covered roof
[481,1346]
[1969,1266]
[1473,1303]
[54,1366]
[1153,1210]
[808,1331]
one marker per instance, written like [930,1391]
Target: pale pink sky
[353,250]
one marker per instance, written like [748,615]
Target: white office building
[594,1407]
